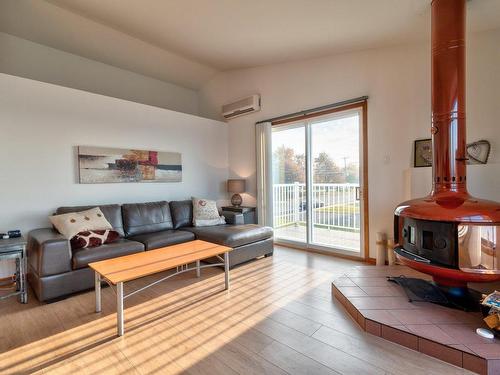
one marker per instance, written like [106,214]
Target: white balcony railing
[334,206]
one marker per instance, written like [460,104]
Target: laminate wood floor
[278,318]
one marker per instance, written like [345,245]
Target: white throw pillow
[205,213]
[69,225]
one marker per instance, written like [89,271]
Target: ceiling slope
[234,34]
[187,41]
[47,24]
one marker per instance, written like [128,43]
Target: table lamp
[236,186]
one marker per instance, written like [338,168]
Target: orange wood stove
[449,234]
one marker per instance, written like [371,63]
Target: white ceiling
[212,35]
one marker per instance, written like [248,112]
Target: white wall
[41,124]
[396,79]
[27,59]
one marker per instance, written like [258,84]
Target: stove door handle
[401,251]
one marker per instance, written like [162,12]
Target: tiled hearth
[382,309]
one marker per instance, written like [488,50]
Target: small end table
[15,248]
[248,213]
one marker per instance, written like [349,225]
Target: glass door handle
[358,193]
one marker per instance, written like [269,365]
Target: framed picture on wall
[422,153]
[99,165]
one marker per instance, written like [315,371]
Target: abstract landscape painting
[99,165]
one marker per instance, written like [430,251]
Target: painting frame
[105,165]
[421,146]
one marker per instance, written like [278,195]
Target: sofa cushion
[70,224]
[139,218]
[112,212]
[205,213]
[93,238]
[231,235]
[156,240]
[82,257]
[182,213]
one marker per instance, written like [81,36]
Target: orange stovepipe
[448,96]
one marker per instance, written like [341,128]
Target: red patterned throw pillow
[93,238]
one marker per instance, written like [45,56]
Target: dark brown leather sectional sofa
[54,270]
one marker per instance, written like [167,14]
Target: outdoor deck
[322,236]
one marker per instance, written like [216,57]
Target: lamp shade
[236,186]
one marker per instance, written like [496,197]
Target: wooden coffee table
[119,270]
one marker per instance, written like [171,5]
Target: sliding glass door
[317,182]
[335,199]
[289,182]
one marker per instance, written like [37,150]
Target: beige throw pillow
[69,225]
[205,213]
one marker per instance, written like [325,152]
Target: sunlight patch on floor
[182,318]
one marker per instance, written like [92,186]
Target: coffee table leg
[198,273]
[226,269]
[119,308]
[97,279]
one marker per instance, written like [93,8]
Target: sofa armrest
[233,218]
[49,253]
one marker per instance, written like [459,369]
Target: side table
[248,213]
[15,248]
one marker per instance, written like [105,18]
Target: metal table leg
[24,295]
[19,281]
[198,271]
[119,308]
[226,269]
[97,279]
[22,286]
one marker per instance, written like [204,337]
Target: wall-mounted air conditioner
[241,107]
